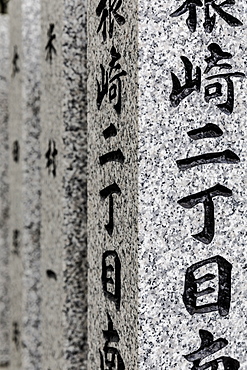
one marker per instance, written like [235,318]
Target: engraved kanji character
[108,192]
[111,83]
[206,197]
[191,292]
[4,6]
[16,151]
[50,155]
[111,359]
[108,10]
[209,21]
[50,48]
[15,60]
[16,335]
[111,277]
[209,347]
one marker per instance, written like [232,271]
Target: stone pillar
[166,189]
[63,119]
[24,226]
[4,200]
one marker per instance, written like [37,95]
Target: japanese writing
[50,48]
[208,291]
[190,7]
[50,155]
[110,80]
[212,90]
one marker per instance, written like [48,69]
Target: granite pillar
[4,200]
[167,184]
[25,188]
[63,158]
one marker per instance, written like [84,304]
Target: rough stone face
[64,145]
[25,183]
[156,259]
[4,200]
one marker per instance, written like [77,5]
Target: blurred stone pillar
[25,184]
[4,200]
[63,163]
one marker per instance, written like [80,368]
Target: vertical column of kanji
[64,184]
[25,187]
[112,184]
[52,237]
[192,184]
[4,199]
[15,185]
[31,74]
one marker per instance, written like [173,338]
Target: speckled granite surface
[63,112]
[4,200]
[25,187]
[165,248]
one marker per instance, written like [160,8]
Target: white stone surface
[165,248]
[4,200]
[63,119]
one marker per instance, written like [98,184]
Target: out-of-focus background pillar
[25,184]
[4,200]
[63,166]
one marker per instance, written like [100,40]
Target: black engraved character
[108,192]
[51,158]
[206,197]
[4,6]
[16,242]
[181,92]
[111,82]
[15,60]
[49,46]
[214,90]
[114,155]
[209,347]
[209,130]
[111,359]
[191,292]
[16,151]
[16,335]
[209,21]
[111,277]
[109,10]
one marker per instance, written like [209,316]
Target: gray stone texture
[155,261]
[63,143]
[25,183]
[4,200]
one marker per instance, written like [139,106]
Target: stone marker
[25,188]
[4,200]
[63,163]
[167,185]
